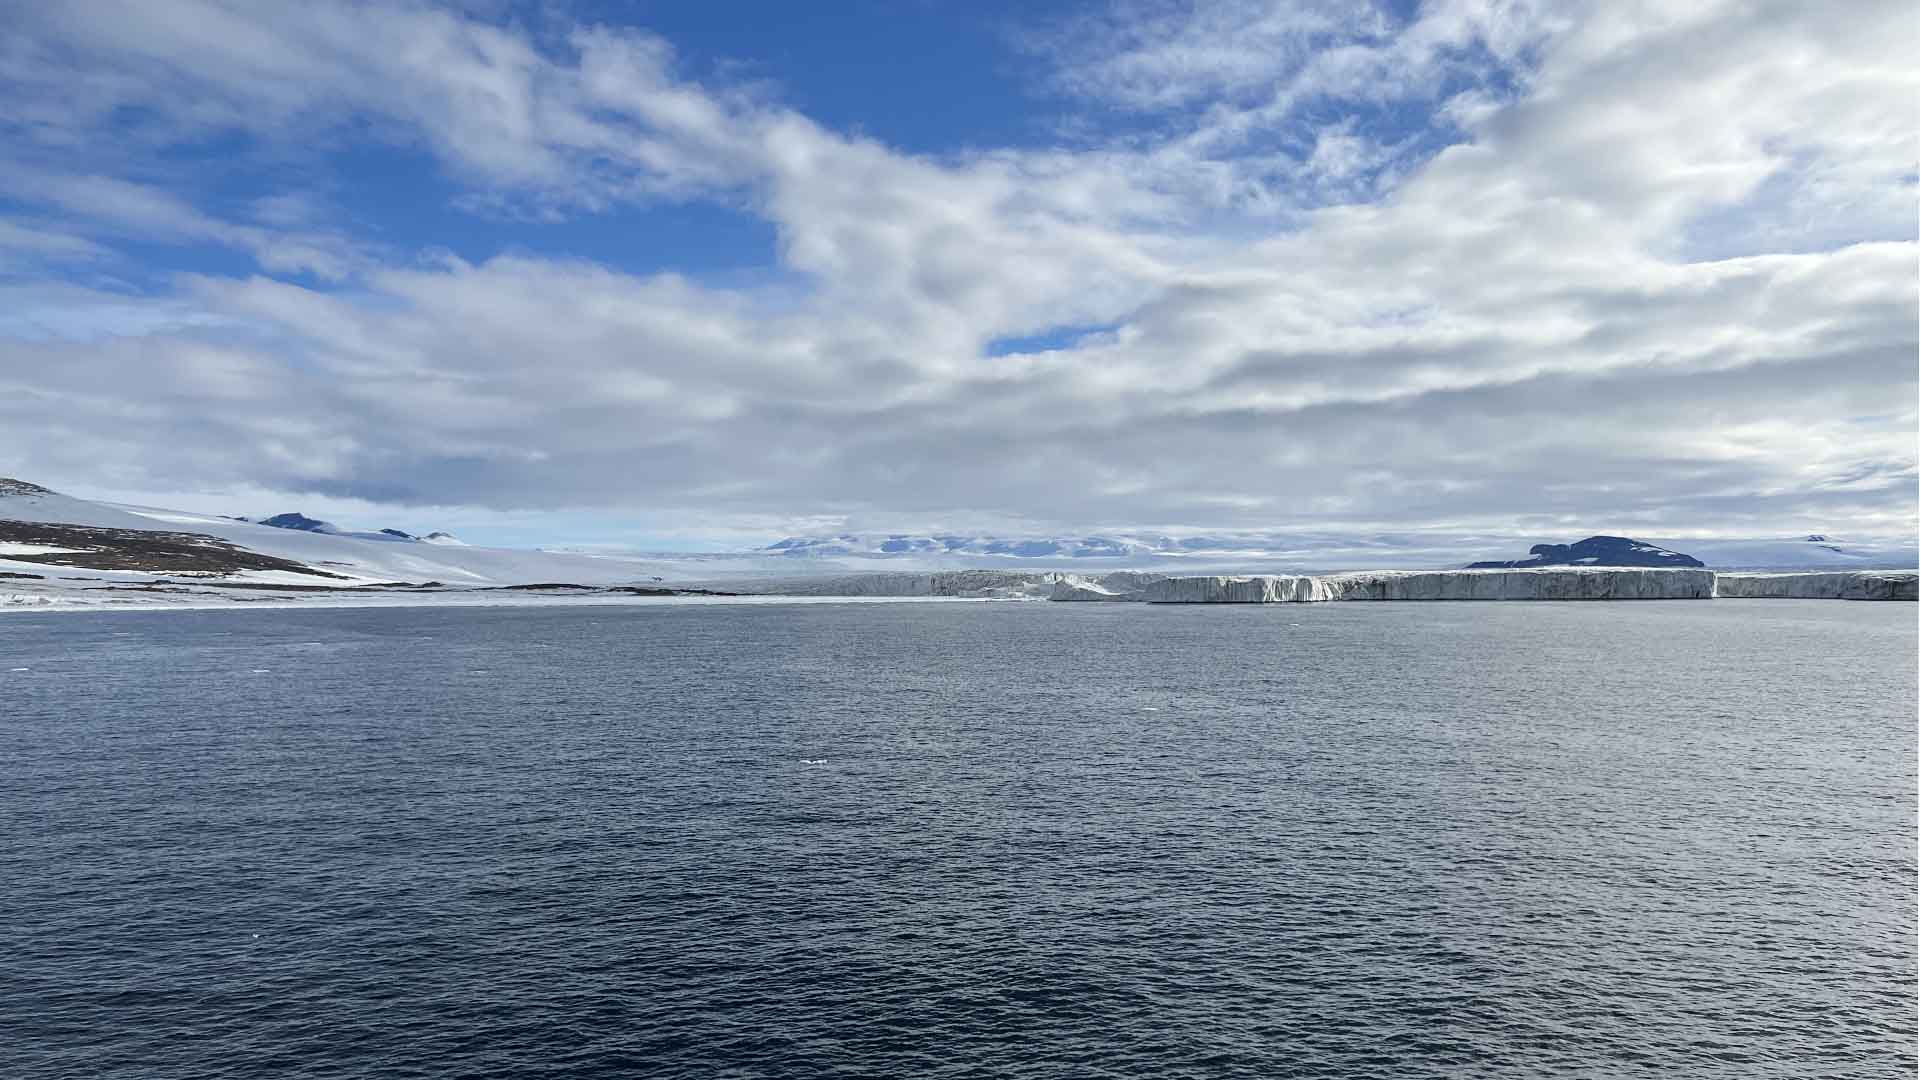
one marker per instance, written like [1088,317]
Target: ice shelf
[1553,583]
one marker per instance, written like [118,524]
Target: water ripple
[1531,840]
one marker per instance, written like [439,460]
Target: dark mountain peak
[398,535]
[1595,551]
[298,521]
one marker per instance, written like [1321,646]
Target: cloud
[582,119]
[1615,278]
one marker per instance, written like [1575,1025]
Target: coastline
[1583,584]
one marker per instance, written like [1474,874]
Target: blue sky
[658,275]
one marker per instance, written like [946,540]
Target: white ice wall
[1560,583]
[1839,585]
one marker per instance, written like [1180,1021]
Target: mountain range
[1318,551]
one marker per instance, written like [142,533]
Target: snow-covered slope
[21,501]
[355,559]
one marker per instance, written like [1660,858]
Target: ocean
[961,840]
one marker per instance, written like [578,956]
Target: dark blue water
[1013,840]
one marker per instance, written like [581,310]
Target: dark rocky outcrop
[94,548]
[1595,551]
[299,521]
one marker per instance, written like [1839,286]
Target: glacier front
[1550,583]
[1556,583]
[1837,585]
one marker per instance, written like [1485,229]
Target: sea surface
[961,840]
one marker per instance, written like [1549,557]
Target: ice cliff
[1838,585]
[1119,585]
[975,584]
[1552,583]
[1560,583]
[1262,589]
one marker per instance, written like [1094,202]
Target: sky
[696,276]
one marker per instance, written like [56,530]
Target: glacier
[1557,583]
[1118,585]
[967,584]
[1837,585]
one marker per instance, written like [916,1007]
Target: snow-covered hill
[354,559]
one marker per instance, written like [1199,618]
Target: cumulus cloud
[1654,271]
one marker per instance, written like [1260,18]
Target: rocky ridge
[1595,551]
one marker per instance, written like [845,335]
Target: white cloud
[1659,281]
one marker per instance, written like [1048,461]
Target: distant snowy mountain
[1320,551]
[1091,547]
[302,523]
[1223,549]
